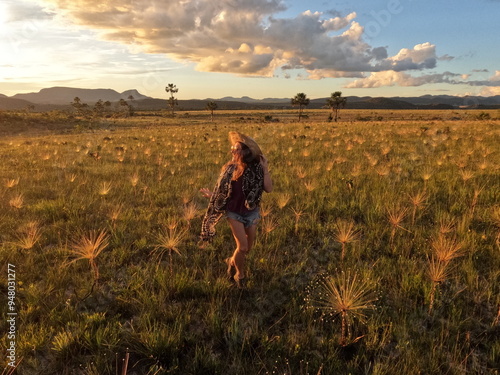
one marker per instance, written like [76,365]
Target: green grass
[176,313]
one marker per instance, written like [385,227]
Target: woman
[237,195]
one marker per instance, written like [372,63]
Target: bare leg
[244,238]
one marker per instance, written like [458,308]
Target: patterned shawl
[253,185]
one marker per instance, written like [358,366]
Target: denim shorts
[248,219]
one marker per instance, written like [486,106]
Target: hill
[7,103]
[61,97]
[65,95]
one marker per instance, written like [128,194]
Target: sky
[255,48]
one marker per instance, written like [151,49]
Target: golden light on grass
[283,200]
[268,224]
[418,201]
[445,249]
[297,213]
[134,180]
[310,185]
[461,163]
[438,273]
[11,182]
[446,225]
[171,223]
[373,161]
[17,201]
[115,212]
[345,295]
[356,170]
[105,188]
[495,216]
[383,170]
[89,247]
[385,150]
[487,152]
[168,240]
[345,232]
[265,209]
[426,174]
[29,235]
[396,215]
[466,174]
[301,173]
[190,211]
[475,199]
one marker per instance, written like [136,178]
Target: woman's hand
[206,193]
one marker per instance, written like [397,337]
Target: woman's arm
[268,183]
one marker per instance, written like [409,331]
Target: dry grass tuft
[344,294]
[169,240]
[446,249]
[345,233]
[89,247]
[17,201]
[29,235]
[418,201]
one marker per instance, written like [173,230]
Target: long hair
[241,159]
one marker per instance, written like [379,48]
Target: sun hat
[247,141]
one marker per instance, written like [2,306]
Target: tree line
[335,102]
[101,108]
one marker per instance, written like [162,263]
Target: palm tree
[335,102]
[172,101]
[211,106]
[301,100]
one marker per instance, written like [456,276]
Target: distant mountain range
[61,98]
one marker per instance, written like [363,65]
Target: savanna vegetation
[378,251]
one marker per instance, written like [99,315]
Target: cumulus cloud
[392,78]
[246,37]
[422,56]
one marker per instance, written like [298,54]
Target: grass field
[378,251]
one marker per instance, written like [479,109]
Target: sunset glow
[257,48]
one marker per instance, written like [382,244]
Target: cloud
[20,11]
[422,56]
[392,78]
[244,37]
[495,77]
[490,91]
[446,58]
